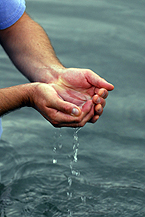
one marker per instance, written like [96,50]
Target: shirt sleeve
[10,12]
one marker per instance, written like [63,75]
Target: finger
[94,119]
[97,81]
[101,92]
[98,109]
[60,119]
[87,116]
[98,112]
[65,107]
[98,100]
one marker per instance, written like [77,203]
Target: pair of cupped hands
[71,97]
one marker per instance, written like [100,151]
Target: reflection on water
[99,170]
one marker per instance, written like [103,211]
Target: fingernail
[100,109]
[98,100]
[103,94]
[75,111]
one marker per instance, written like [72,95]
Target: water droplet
[54,161]
[75,173]
[54,149]
[69,181]
[69,194]
[60,146]
[83,199]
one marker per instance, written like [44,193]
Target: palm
[74,87]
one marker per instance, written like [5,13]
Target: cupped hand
[45,99]
[80,85]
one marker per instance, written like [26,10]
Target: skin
[44,99]
[64,96]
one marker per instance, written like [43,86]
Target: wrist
[47,74]
[14,97]
[24,93]
[30,90]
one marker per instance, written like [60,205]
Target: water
[100,171]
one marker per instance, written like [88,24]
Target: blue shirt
[10,12]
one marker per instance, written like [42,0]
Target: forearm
[15,97]
[29,47]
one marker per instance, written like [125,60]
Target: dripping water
[75,152]
[74,160]
[72,163]
[57,145]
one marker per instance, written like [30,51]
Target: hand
[60,113]
[36,59]
[80,85]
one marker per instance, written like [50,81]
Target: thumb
[98,82]
[102,83]
[66,107]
